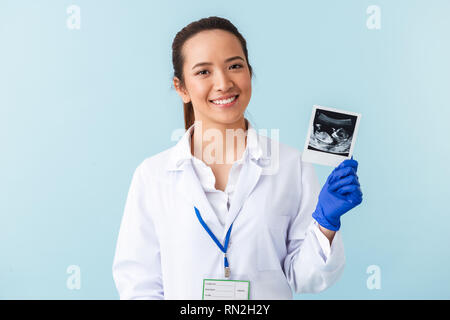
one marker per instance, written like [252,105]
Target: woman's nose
[223,82]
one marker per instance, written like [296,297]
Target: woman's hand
[340,193]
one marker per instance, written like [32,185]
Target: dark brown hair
[178,60]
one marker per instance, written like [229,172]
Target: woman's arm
[137,261]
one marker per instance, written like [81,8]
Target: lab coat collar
[188,185]
[181,152]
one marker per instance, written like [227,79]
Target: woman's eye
[201,72]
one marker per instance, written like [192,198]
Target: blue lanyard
[224,247]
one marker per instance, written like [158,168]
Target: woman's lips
[227,104]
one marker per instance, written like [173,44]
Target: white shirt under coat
[163,252]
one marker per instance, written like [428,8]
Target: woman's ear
[180,90]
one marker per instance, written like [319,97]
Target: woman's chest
[221,174]
[266,212]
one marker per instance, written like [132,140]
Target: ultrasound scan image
[332,132]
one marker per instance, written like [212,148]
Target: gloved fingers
[342,172]
[344,190]
[348,163]
[338,183]
[356,197]
[330,178]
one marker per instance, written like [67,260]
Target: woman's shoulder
[155,164]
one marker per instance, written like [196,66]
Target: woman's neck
[217,144]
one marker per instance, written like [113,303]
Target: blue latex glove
[340,193]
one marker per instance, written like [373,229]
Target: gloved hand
[340,193]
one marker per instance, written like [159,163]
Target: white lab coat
[163,252]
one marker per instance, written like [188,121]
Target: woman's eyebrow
[209,63]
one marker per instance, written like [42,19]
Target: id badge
[217,289]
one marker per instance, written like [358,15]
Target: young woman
[251,213]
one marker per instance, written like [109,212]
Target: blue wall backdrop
[80,108]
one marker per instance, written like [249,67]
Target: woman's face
[214,69]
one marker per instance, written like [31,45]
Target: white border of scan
[328,159]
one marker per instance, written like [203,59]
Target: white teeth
[226,101]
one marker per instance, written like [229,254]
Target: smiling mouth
[225,102]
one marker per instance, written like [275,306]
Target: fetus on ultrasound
[331,135]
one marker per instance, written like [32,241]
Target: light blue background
[80,109]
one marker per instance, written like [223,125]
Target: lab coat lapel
[247,180]
[189,185]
